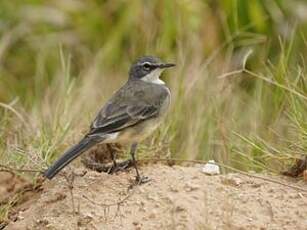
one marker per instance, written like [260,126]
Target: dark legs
[138,178]
[132,153]
[113,156]
[117,166]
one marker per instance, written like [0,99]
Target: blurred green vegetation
[60,60]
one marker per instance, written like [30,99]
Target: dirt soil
[176,198]
[9,184]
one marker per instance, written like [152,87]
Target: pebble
[152,216]
[256,185]
[191,187]
[179,209]
[211,168]
[233,181]
[173,189]
[135,223]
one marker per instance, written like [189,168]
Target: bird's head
[148,68]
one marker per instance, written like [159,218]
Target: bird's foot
[121,166]
[142,180]
[139,180]
[109,168]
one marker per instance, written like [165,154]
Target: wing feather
[126,117]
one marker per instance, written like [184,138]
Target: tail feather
[69,156]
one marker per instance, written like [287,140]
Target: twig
[10,169]
[270,81]
[20,191]
[8,107]
[118,203]
[70,184]
[235,72]
[231,168]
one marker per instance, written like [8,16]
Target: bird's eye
[146,66]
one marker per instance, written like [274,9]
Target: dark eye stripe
[147,66]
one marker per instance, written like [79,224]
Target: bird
[129,116]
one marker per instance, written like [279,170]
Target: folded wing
[125,116]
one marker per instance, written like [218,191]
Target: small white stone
[211,168]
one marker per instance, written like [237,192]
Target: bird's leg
[132,153]
[113,156]
[139,179]
[116,167]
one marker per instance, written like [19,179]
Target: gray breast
[165,103]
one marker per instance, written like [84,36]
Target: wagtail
[130,115]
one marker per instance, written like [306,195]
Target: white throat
[154,77]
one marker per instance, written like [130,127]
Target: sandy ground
[176,198]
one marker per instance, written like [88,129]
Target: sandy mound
[176,198]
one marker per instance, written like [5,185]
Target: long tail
[70,155]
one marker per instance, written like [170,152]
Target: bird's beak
[166,65]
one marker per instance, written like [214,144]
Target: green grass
[59,62]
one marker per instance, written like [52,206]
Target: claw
[142,180]
[121,166]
